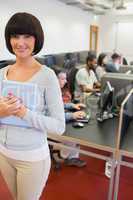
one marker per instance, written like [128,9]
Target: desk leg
[117,178]
[111,183]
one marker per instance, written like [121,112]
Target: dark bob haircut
[24,23]
[100,59]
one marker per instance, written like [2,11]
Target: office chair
[71,77]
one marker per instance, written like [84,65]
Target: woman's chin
[23,55]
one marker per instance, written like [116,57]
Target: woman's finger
[12,100]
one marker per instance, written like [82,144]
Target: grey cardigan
[48,117]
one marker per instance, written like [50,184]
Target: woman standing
[24,152]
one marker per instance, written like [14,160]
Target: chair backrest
[60,59]
[50,60]
[4,63]
[71,77]
[41,60]
[83,56]
[125,68]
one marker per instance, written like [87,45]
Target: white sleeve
[81,77]
[55,121]
[99,72]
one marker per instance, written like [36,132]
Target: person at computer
[72,113]
[86,80]
[24,152]
[114,64]
[101,66]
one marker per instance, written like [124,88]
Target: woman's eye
[27,36]
[14,36]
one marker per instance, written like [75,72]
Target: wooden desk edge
[62,138]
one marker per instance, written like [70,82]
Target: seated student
[101,65]
[86,80]
[71,156]
[114,65]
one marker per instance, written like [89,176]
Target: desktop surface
[99,135]
[95,132]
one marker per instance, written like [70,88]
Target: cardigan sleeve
[54,122]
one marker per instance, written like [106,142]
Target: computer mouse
[78,125]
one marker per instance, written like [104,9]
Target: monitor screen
[106,96]
[129,72]
[106,103]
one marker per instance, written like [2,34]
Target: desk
[101,136]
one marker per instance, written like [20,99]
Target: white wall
[66,28]
[117,34]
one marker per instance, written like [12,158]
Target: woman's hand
[79,115]
[21,111]
[8,106]
[79,106]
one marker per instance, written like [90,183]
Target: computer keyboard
[85,119]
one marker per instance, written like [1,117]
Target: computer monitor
[129,72]
[106,98]
[121,83]
[106,102]
[126,68]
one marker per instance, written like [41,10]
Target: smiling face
[22,45]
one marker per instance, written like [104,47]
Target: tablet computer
[26,92]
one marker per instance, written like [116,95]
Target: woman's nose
[20,41]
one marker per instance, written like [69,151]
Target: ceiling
[99,7]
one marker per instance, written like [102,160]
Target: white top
[100,71]
[83,77]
